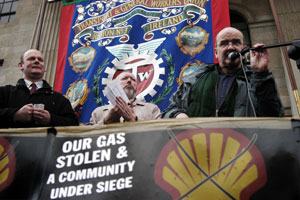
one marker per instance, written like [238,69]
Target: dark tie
[33,88]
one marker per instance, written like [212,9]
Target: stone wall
[23,33]
[16,38]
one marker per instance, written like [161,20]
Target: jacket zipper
[216,94]
[216,91]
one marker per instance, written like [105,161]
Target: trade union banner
[159,41]
[165,159]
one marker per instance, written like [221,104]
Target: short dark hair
[22,59]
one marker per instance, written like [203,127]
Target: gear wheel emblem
[142,63]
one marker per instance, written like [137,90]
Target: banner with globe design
[160,42]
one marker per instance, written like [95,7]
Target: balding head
[32,64]
[226,31]
[229,40]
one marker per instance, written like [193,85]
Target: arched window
[239,22]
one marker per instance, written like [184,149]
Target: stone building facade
[36,25]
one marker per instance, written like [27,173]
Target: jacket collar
[138,102]
[135,102]
[239,73]
[21,82]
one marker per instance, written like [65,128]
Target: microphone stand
[293,52]
[294,43]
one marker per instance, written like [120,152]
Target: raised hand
[126,111]
[113,116]
[259,59]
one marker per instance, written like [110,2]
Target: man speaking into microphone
[228,89]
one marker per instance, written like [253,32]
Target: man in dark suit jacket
[32,102]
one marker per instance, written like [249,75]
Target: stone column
[46,36]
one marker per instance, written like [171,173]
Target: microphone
[233,55]
[294,50]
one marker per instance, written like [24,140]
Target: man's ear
[21,66]
[216,52]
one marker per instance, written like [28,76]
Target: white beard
[130,92]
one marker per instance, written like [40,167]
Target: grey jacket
[143,110]
[262,90]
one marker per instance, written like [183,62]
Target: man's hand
[182,115]
[41,116]
[259,59]
[126,110]
[113,116]
[24,114]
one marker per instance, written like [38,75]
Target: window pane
[6,8]
[11,18]
[4,19]
[14,6]
[1,63]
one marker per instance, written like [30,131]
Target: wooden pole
[286,58]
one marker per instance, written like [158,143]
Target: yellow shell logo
[210,164]
[7,164]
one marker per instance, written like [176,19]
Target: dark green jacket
[262,90]
[12,98]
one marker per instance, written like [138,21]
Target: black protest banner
[221,159]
